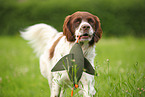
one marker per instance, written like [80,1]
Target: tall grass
[120,66]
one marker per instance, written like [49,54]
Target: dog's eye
[78,21]
[90,21]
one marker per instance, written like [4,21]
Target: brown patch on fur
[53,47]
[70,35]
[98,32]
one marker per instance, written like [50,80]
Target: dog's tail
[38,36]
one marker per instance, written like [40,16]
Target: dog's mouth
[84,37]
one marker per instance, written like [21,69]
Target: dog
[51,45]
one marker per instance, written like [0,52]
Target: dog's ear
[98,28]
[67,29]
[98,31]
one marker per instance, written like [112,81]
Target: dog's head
[82,24]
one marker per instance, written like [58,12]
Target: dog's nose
[86,27]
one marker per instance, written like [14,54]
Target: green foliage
[120,66]
[118,18]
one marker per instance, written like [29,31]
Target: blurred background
[123,44]
[118,17]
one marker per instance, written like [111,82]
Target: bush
[117,17]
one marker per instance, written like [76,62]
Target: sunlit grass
[124,58]
[120,64]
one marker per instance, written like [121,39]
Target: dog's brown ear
[98,32]
[98,28]
[67,31]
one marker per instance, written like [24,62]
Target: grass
[120,64]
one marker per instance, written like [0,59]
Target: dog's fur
[51,45]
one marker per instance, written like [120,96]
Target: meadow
[120,66]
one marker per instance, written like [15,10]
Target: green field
[120,62]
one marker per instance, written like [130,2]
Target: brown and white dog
[51,45]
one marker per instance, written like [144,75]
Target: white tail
[38,36]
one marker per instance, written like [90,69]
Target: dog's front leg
[55,85]
[55,89]
[88,82]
